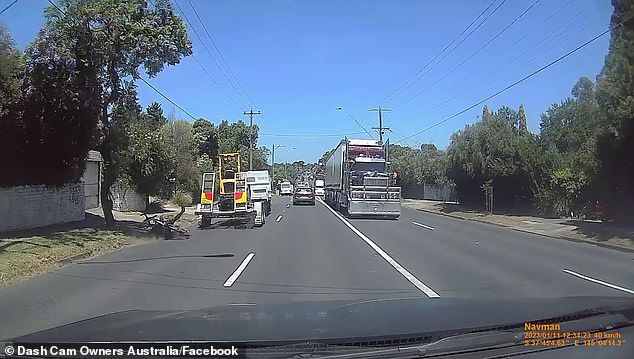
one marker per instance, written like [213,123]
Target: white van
[286,189]
[319,188]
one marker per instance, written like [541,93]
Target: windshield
[369,167]
[296,170]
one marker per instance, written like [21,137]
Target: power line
[167,98]
[438,55]
[499,69]
[355,120]
[250,100]
[461,41]
[54,5]
[406,141]
[210,55]
[513,84]
[471,56]
[7,7]
[307,135]
[220,53]
[215,82]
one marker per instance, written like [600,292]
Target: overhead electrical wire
[220,53]
[513,84]
[212,57]
[248,98]
[499,69]
[215,82]
[167,98]
[8,7]
[307,135]
[471,56]
[406,85]
[461,41]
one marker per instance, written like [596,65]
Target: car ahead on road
[304,195]
[319,188]
[286,189]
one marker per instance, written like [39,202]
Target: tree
[127,34]
[51,127]
[11,135]
[205,140]
[429,148]
[494,152]
[154,115]
[10,72]
[523,127]
[583,89]
[615,97]
[180,135]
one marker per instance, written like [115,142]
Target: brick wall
[126,199]
[27,207]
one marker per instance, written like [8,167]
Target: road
[310,253]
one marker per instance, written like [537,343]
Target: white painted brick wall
[126,199]
[27,207]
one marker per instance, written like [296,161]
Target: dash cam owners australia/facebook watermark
[104,350]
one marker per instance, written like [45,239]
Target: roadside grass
[24,254]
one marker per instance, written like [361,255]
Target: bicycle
[160,226]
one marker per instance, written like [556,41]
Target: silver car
[304,195]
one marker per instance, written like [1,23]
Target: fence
[430,192]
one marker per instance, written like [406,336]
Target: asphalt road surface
[310,253]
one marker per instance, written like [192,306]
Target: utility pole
[251,113]
[380,128]
[273,161]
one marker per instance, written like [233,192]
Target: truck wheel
[205,221]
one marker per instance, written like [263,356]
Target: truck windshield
[369,167]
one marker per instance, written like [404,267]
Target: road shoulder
[594,233]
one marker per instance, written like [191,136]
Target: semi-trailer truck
[357,180]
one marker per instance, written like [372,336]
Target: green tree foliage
[495,150]
[142,156]
[568,131]
[149,158]
[615,97]
[154,115]
[11,69]
[426,165]
[179,135]
[50,127]
[229,137]
[127,35]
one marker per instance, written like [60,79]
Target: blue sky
[299,60]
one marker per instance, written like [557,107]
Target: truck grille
[376,181]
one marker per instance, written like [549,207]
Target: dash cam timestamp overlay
[552,335]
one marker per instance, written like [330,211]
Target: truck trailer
[357,180]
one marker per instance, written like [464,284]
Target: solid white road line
[404,272]
[613,286]
[239,270]
[423,225]
[279,218]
